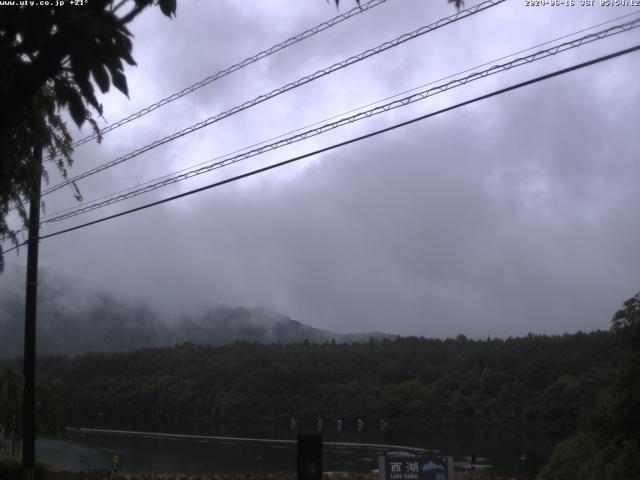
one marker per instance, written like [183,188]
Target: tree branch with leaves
[51,58]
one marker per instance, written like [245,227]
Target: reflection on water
[259,450]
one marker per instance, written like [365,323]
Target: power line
[539,55]
[346,142]
[163,177]
[233,68]
[165,180]
[279,91]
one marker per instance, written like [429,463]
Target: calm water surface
[515,451]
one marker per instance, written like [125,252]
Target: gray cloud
[509,216]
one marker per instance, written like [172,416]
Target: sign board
[115,459]
[415,468]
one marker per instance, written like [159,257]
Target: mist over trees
[586,379]
[74,320]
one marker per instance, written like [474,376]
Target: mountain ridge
[73,320]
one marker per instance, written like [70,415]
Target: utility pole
[29,393]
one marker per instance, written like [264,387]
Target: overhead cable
[233,68]
[247,61]
[339,115]
[539,55]
[279,91]
[342,144]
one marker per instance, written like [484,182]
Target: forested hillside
[532,379]
[608,442]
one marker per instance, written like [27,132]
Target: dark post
[29,393]
[309,457]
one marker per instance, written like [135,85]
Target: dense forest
[533,379]
[590,380]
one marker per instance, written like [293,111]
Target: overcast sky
[517,214]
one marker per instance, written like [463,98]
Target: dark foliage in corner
[608,443]
[51,58]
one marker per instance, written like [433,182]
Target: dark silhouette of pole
[29,393]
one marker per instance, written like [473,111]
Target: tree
[607,445]
[51,409]
[10,411]
[626,323]
[49,58]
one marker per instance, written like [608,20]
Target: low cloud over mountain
[74,319]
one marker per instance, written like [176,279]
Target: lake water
[514,452]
